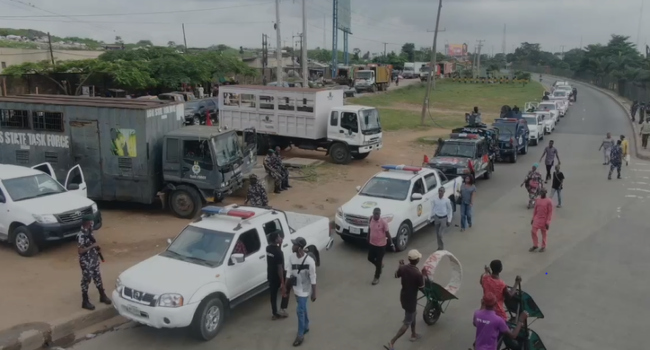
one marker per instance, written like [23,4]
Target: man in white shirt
[441,215]
[302,277]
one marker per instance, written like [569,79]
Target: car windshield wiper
[199,260]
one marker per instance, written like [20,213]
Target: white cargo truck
[313,119]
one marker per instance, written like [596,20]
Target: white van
[36,209]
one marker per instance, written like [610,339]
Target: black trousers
[376,257]
[644,140]
[274,287]
[549,167]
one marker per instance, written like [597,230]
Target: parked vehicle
[536,127]
[463,155]
[197,110]
[347,91]
[561,98]
[35,209]
[404,193]
[313,119]
[552,106]
[200,278]
[513,138]
[409,71]
[548,121]
[171,96]
[372,78]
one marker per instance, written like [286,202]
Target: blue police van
[513,138]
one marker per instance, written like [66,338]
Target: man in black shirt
[275,274]
[558,180]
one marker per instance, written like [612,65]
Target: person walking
[606,146]
[645,133]
[256,195]
[412,281]
[615,160]
[302,277]
[489,326]
[89,257]
[467,193]
[550,153]
[378,238]
[542,215]
[275,273]
[625,146]
[556,187]
[441,215]
[633,109]
[641,112]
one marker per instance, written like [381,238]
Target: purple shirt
[551,153]
[488,328]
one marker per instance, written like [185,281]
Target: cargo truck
[129,150]
[372,78]
[312,119]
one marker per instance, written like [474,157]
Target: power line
[358,37]
[140,22]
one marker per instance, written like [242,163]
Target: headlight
[118,285]
[170,300]
[45,219]
[388,218]
[95,209]
[339,212]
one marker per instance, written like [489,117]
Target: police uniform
[283,171]
[271,169]
[89,263]
[256,195]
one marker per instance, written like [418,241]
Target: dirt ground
[46,287]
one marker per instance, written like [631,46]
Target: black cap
[88,217]
[300,242]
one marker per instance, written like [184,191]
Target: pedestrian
[378,238]
[542,215]
[412,281]
[606,146]
[551,153]
[201,91]
[89,257]
[467,193]
[492,283]
[647,113]
[397,81]
[271,168]
[556,187]
[302,277]
[615,160]
[256,195]
[489,326]
[275,273]
[641,112]
[625,146]
[575,94]
[645,132]
[441,215]
[633,109]
[283,170]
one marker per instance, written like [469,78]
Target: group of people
[644,120]
[614,153]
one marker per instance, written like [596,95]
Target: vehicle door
[5,214]
[172,159]
[46,168]
[275,225]
[75,181]
[481,158]
[211,106]
[540,124]
[431,184]
[416,207]
[250,273]
[197,166]
[249,150]
[348,127]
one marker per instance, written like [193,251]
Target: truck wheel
[403,235]
[340,153]
[208,319]
[185,202]
[24,242]
[360,155]
[513,157]
[196,120]
[373,89]
[488,172]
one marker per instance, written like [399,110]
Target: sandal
[298,341]
[389,347]
[532,249]
[415,338]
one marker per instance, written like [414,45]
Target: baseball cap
[489,299]
[414,254]
[299,241]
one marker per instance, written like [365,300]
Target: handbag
[293,280]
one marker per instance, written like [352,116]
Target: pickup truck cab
[561,98]
[513,138]
[536,127]
[216,263]
[463,155]
[36,209]
[552,106]
[405,196]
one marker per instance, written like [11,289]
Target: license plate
[132,310]
[355,230]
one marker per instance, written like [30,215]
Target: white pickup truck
[216,263]
[405,196]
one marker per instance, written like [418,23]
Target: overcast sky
[552,23]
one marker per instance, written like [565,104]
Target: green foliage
[18,44]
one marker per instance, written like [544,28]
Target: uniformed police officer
[256,195]
[89,256]
[272,169]
[283,170]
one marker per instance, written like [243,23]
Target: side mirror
[416,197]
[358,188]
[237,258]
[2,199]
[73,187]
[169,241]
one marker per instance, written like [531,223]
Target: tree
[118,40]
[366,56]
[356,52]
[171,44]
[144,43]
[408,49]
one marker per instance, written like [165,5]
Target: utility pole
[432,72]
[385,50]
[304,61]
[562,51]
[49,42]
[184,38]
[478,58]
[324,31]
[265,56]
[638,33]
[293,50]
[278,50]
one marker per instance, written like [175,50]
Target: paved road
[591,283]
[402,83]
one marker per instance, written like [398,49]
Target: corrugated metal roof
[274,88]
[199,131]
[101,102]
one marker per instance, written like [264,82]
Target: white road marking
[638,189]
[640,169]
[641,183]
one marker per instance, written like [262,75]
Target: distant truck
[372,78]
[313,119]
[130,150]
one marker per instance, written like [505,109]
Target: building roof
[65,100]
[198,131]
[8,171]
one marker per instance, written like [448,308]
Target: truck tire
[340,153]
[196,120]
[185,202]
[373,89]
[488,172]
[24,242]
[208,318]
[513,157]
[360,156]
[404,233]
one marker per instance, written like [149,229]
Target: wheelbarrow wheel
[431,313]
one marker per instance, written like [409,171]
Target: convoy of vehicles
[405,195]
[313,119]
[463,155]
[199,278]
[536,127]
[372,78]
[513,138]
[553,107]
[562,101]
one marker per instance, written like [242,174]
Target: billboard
[344,16]
[456,50]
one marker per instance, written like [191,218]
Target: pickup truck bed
[298,221]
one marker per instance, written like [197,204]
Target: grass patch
[393,119]
[428,140]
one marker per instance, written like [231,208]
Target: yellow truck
[373,77]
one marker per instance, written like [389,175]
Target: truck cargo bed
[298,221]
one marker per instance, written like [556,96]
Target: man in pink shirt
[378,237]
[541,220]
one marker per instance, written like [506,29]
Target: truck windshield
[201,246]
[531,120]
[370,120]
[29,187]
[408,69]
[506,130]
[457,149]
[364,75]
[382,187]
[227,149]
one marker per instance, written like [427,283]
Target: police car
[405,196]
[513,138]
[463,155]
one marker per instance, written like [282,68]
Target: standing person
[378,238]
[633,109]
[441,215]
[489,326]
[625,146]
[467,192]
[542,215]
[641,112]
[283,170]
[302,277]
[275,273]
[475,117]
[201,91]
[558,182]
[256,195]
[493,284]
[551,153]
[89,257]
[271,169]
[615,160]
[575,94]
[645,132]
[606,146]
[412,281]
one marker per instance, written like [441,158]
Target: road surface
[591,283]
